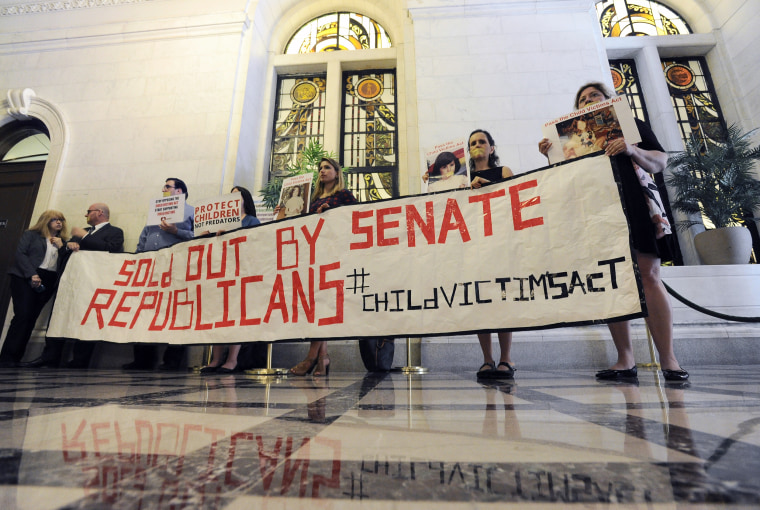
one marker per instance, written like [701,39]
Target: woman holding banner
[650,247]
[218,364]
[485,169]
[330,192]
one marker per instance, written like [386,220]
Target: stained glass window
[299,116]
[621,18]
[694,100]
[338,31]
[370,143]
[626,82]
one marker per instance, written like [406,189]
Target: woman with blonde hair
[330,192]
[33,280]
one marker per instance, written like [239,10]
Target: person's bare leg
[323,360]
[485,346]
[217,353]
[232,357]
[505,345]
[621,337]
[660,320]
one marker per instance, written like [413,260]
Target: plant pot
[728,245]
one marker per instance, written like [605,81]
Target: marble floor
[104,439]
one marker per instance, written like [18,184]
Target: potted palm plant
[716,181]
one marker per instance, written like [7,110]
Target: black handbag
[377,354]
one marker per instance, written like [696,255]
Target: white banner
[545,249]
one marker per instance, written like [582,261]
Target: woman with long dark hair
[649,247]
[219,364]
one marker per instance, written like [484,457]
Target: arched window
[673,64]
[620,18]
[29,141]
[338,31]
[362,128]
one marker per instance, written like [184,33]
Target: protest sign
[295,196]
[446,167]
[588,130]
[170,209]
[547,248]
[220,213]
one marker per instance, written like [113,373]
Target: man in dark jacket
[99,236]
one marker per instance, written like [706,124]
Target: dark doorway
[19,184]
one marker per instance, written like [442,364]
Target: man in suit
[99,236]
[156,237]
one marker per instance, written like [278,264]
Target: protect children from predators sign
[545,249]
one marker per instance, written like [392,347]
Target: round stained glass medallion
[679,76]
[305,92]
[369,88]
[617,80]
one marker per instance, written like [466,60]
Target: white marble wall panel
[523,66]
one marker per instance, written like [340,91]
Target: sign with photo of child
[588,130]
[446,167]
[295,196]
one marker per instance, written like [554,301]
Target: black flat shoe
[675,375]
[208,370]
[38,363]
[225,371]
[612,375]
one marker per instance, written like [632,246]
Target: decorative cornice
[62,5]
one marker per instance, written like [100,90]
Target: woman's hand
[618,146]
[425,177]
[57,242]
[322,208]
[72,246]
[477,182]
[543,146]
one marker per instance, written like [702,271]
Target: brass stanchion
[268,371]
[652,355]
[409,368]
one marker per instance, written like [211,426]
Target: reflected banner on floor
[547,248]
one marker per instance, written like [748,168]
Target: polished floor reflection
[109,439]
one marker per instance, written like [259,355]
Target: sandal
[304,367]
[509,373]
[485,370]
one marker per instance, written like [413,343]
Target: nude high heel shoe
[304,367]
[322,366]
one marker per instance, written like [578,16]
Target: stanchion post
[268,371]
[409,368]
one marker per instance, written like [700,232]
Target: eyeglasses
[92,210]
[57,219]
[166,186]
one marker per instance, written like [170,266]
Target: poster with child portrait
[295,196]
[446,167]
[588,130]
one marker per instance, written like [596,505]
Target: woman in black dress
[648,249]
[485,169]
